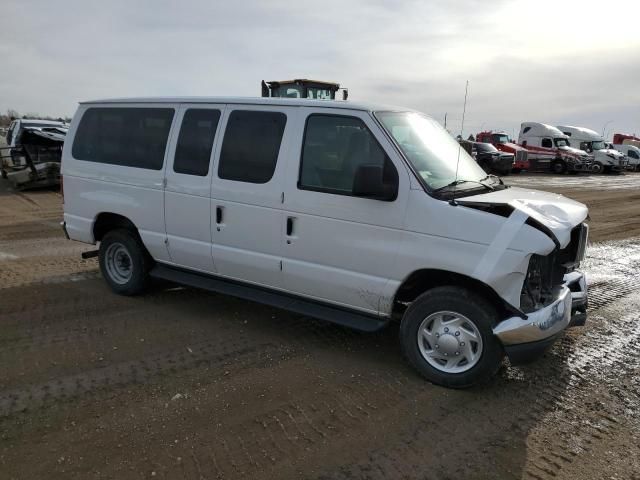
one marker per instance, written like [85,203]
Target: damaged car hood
[556,212]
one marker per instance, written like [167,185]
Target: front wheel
[124,262]
[597,167]
[447,336]
[558,167]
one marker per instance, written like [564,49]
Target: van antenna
[464,110]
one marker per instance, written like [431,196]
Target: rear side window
[131,137]
[250,146]
[195,141]
[334,147]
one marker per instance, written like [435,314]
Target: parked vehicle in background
[303,88]
[33,153]
[550,150]
[492,160]
[346,212]
[605,159]
[626,139]
[501,141]
[632,153]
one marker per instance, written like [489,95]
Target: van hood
[556,212]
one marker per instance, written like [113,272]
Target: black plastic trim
[330,313]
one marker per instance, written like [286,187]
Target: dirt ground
[181,383]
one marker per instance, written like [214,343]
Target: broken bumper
[525,339]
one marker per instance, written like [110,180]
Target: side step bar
[347,318]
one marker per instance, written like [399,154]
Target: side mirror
[368,182]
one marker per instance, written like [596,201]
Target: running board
[347,318]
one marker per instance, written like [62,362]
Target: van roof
[296,102]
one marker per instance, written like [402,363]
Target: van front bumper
[525,339]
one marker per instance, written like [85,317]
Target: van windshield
[432,151]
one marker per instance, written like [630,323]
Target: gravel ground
[188,384]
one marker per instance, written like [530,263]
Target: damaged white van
[350,213]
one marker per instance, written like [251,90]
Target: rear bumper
[524,339]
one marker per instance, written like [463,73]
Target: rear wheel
[447,336]
[124,262]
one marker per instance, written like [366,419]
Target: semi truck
[501,141]
[605,159]
[550,149]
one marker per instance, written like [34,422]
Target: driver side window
[334,146]
[546,143]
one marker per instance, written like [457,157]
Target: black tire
[128,244]
[463,302]
[558,167]
[597,168]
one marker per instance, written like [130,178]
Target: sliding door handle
[218,214]
[290,221]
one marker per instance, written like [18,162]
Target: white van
[605,159]
[344,212]
[549,149]
[632,153]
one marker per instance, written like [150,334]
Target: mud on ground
[188,384]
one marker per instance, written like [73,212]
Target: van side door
[340,248]
[187,209]
[246,194]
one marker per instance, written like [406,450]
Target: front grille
[521,156]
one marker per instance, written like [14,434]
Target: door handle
[218,214]
[290,226]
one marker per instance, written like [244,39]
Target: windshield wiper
[461,181]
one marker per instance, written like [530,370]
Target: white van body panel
[134,193]
[247,244]
[343,248]
[187,206]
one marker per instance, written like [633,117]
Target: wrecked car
[32,157]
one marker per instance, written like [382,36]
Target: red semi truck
[624,139]
[501,141]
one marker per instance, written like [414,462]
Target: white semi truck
[550,149]
[605,159]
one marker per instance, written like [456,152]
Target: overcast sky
[559,62]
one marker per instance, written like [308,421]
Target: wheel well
[422,280]
[109,221]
